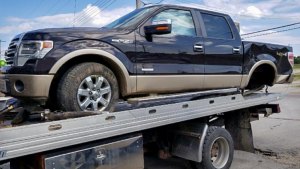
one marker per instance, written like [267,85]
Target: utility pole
[0,46]
[139,4]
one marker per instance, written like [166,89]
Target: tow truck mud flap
[189,141]
[119,154]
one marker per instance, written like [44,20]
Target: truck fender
[130,80]
[246,78]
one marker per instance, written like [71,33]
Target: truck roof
[187,7]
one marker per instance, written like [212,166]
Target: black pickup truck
[155,49]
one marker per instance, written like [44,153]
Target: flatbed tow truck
[200,127]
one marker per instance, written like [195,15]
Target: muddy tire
[88,87]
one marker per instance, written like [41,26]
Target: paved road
[242,160]
[280,132]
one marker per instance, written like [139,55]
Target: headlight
[35,49]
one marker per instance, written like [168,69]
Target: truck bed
[254,51]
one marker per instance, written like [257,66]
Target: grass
[297,77]
[297,66]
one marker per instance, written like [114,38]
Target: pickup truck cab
[155,49]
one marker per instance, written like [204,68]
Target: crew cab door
[170,62]
[223,51]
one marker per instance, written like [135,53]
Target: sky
[17,16]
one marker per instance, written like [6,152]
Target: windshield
[132,18]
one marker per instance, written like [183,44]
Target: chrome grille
[11,53]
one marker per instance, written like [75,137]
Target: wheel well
[263,75]
[91,58]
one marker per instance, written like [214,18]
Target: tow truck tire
[79,84]
[217,150]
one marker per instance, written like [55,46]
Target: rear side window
[216,27]
[182,21]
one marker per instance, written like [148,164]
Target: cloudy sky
[18,16]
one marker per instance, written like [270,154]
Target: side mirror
[159,27]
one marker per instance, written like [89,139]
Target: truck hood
[69,34]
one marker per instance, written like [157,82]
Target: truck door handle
[198,48]
[147,69]
[236,50]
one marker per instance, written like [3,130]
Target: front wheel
[88,87]
[217,150]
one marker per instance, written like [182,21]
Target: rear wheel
[88,87]
[217,150]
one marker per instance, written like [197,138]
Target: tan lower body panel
[222,81]
[244,81]
[168,83]
[171,83]
[35,86]
[178,83]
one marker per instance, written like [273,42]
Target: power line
[110,2]
[236,14]
[75,6]
[285,30]
[264,30]
[85,14]
[264,34]
[82,16]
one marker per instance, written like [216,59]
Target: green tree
[297,60]
[2,63]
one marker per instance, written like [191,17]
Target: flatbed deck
[34,138]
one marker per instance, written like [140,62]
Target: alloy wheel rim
[94,93]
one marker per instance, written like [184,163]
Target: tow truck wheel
[217,150]
[88,87]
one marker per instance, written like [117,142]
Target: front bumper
[26,86]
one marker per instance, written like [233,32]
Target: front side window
[216,27]
[182,21]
